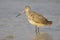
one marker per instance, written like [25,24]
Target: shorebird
[36,19]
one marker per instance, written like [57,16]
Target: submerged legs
[36,29]
[37,36]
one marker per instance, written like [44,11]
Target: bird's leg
[36,29]
[37,33]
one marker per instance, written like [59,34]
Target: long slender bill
[20,13]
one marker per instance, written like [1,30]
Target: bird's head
[25,10]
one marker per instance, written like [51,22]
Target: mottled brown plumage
[36,19]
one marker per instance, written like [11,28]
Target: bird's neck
[27,13]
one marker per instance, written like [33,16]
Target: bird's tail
[49,23]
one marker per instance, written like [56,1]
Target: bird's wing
[38,18]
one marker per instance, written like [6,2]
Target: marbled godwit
[36,19]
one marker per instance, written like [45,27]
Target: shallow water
[19,26]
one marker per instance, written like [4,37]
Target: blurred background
[20,27]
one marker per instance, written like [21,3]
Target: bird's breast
[36,24]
